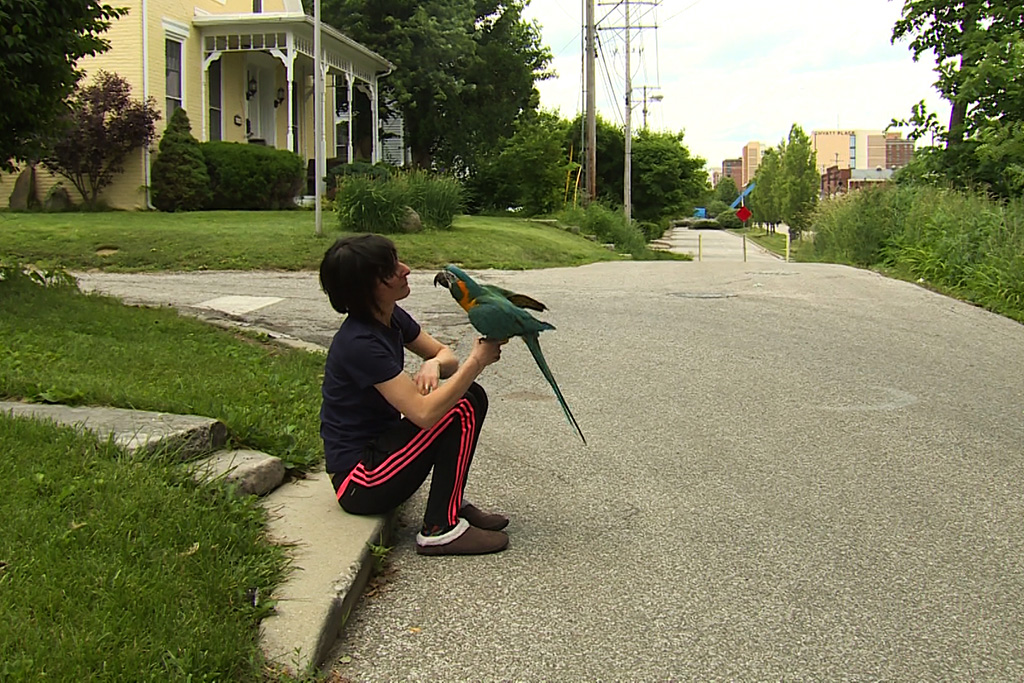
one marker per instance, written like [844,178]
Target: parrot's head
[460,285]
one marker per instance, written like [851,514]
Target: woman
[383,430]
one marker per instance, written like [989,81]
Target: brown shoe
[491,521]
[464,539]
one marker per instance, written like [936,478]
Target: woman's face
[395,287]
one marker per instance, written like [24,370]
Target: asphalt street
[793,471]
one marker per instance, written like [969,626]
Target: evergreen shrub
[252,177]
[180,179]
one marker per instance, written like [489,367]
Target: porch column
[375,118]
[351,116]
[324,70]
[205,93]
[288,59]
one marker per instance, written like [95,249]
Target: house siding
[147,78]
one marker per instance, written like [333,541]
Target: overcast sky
[731,71]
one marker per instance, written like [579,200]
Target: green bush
[651,230]
[250,177]
[380,204]
[607,225]
[337,172]
[366,204]
[966,243]
[728,219]
[436,198]
[180,179]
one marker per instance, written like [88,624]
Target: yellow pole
[787,246]
[700,247]
[744,248]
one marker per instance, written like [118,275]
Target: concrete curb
[134,430]
[332,562]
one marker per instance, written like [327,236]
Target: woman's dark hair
[351,269]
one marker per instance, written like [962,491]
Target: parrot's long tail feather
[533,343]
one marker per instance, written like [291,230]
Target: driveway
[793,471]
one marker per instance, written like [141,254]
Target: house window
[213,78]
[257,6]
[173,72]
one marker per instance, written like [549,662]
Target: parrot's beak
[445,279]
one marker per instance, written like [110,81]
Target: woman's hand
[487,351]
[429,376]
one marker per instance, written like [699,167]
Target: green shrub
[651,230]
[728,219]
[966,243]
[337,172]
[365,204]
[607,225]
[705,224]
[250,177]
[716,206]
[180,179]
[436,198]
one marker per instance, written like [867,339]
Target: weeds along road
[799,471]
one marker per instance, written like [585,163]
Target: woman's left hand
[429,376]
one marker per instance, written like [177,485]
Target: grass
[281,240]
[60,346]
[776,243]
[112,569]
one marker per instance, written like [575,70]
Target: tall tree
[765,200]
[726,190]
[975,43]
[667,181]
[104,124]
[465,69]
[42,40]
[800,181]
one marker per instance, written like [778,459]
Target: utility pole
[627,173]
[318,119]
[628,27]
[654,98]
[590,146]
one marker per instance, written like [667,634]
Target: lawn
[116,569]
[283,240]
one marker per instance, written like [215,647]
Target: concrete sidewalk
[329,549]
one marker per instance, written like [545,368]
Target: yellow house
[243,70]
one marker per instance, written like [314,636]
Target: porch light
[251,90]
[280,98]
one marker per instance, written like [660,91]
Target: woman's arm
[439,362]
[424,410]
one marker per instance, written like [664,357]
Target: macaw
[498,313]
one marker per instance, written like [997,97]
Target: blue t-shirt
[353,413]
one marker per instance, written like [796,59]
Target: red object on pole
[743,214]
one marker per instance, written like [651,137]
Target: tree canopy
[979,51]
[465,69]
[787,183]
[42,41]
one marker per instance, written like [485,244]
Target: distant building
[716,175]
[733,168]
[867,149]
[898,152]
[836,181]
[753,153]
